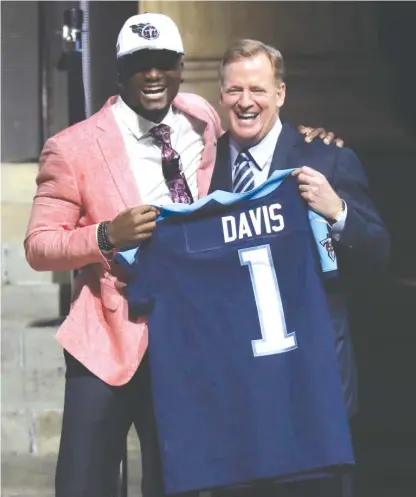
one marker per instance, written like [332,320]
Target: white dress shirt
[145,156]
[262,154]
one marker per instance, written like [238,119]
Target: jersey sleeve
[138,289]
[323,240]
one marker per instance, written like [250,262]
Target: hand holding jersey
[132,226]
[318,193]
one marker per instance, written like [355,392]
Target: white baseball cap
[149,31]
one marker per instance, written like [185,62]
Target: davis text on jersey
[263,220]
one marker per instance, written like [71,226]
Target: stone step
[18,187]
[32,369]
[32,373]
[33,476]
[18,181]
[15,270]
[30,305]
[37,432]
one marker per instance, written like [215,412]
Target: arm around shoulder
[54,240]
[365,234]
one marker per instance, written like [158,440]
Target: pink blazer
[84,178]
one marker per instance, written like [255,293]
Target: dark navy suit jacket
[364,244]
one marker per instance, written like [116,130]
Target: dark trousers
[96,420]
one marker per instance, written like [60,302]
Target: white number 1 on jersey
[275,338]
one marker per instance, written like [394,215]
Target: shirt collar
[262,152]
[138,125]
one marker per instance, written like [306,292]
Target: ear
[281,94]
[221,95]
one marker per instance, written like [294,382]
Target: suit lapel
[286,153]
[114,152]
[221,177]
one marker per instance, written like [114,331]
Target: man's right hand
[132,226]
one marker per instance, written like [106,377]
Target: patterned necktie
[243,176]
[171,166]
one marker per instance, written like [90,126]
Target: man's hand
[318,193]
[326,137]
[132,226]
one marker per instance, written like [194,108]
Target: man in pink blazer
[150,145]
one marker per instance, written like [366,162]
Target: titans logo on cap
[145,30]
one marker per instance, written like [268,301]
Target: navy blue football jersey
[245,379]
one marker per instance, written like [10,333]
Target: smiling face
[150,81]
[251,97]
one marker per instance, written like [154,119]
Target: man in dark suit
[331,180]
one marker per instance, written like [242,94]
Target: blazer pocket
[110,296]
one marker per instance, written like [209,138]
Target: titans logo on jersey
[245,380]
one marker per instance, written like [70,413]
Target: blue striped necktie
[243,176]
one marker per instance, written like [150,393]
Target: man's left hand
[318,193]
